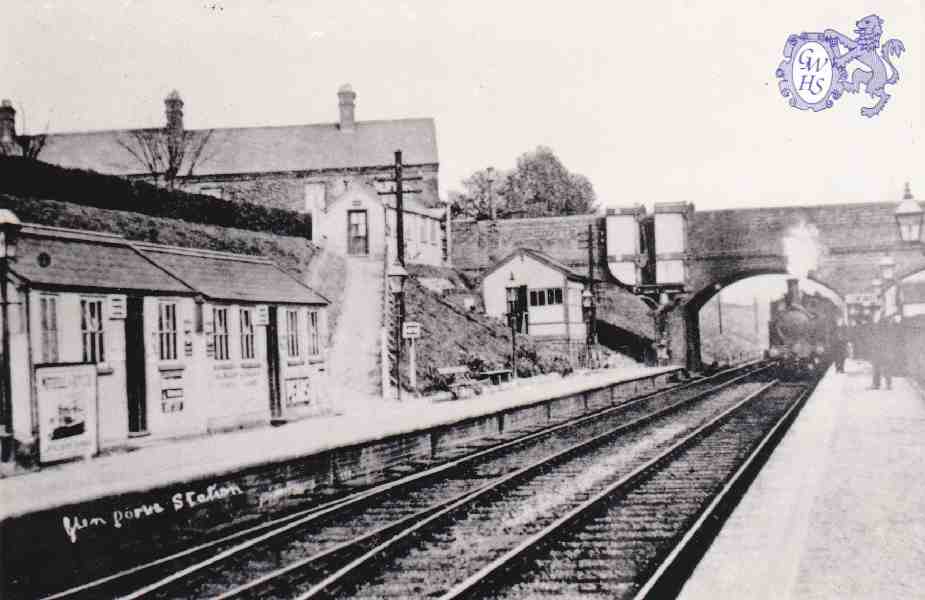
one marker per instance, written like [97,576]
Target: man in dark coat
[886,353]
[840,347]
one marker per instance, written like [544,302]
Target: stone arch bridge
[703,251]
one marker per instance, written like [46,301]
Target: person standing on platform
[885,352]
[840,347]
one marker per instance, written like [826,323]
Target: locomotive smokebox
[793,291]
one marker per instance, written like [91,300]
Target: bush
[22,177]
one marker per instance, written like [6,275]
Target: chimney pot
[346,100]
[7,122]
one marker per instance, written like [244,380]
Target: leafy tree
[538,186]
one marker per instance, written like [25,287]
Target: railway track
[303,553]
[318,540]
[483,532]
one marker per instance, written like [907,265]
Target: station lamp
[513,312]
[909,218]
[587,309]
[9,235]
[397,276]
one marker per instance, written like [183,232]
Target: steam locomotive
[801,331]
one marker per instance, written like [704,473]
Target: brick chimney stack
[7,124]
[173,108]
[346,100]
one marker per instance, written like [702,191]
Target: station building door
[357,233]
[135,381]
[276,404]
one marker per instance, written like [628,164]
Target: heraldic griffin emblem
[814,72]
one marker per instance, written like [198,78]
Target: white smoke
[801,247]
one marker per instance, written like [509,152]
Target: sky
[656,102]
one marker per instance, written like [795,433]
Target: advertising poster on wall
[67,411]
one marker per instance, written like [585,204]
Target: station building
[330,171]
[112,340]
[549,296]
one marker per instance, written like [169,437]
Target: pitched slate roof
[261,149]
[225,276]
[88,261]
[914,292]
[541,257]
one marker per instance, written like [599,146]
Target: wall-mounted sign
[411,330]
[67,411]
[865,299]
[116,306]
[262,315]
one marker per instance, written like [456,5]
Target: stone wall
[478,244]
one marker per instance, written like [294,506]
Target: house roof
[914,292]
[226,276]
[539,256]
[243,150]
[88,261]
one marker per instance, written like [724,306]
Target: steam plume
[801,247]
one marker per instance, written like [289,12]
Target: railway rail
[306,546]
[436,556]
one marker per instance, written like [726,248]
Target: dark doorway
[135,383]
[357,232]
[524,309]
[276,405]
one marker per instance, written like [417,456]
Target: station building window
[293,347]
[220,334]
[314,342]
[545,296]
[48,309]
[91,330]
[247,333]
[167,330]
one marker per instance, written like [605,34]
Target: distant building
[328,170]
[115,340]
[548,290]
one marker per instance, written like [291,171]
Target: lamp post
[9,234]
[513,312]
[587,310]
[397,276]
[909,218]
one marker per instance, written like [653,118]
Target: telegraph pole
[398,191]
[719,311]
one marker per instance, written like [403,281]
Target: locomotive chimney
[793,291]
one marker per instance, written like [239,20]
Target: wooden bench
[495,377]
[457,379]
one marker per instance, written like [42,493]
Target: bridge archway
[690,318]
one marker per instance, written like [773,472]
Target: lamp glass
[587,299]
[397,275]
[909,220]
[887,271]
[512,294]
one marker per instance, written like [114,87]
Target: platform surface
[167,462]
[839,509]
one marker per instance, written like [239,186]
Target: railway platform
[167,463]
[838,510]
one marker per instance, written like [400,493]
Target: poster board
[67,404]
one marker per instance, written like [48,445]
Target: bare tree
[166,156]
